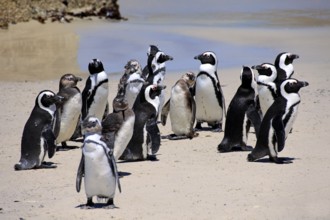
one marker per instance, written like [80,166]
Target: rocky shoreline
[15,11]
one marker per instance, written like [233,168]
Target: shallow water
[151,22]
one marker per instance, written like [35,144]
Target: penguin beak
[168,57]
[198,57]
[294,56]
[304,83]
[58,98]
[256,67]
[78,79]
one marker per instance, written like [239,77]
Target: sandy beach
[191,180]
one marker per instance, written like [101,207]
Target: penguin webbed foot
[110,204]
[65,147]
[47,165]
[89,205]
[246,148]
[152,157]
[279,160]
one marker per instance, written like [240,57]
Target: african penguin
[95,93]
[267,91]
[238,121]
[134,79]
[278,121]
[118,126]
[284,66]
[145,141]
[97,165]
[38,138]
[182,109]
[210,102]
[69,110]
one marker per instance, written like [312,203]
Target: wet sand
[190,180]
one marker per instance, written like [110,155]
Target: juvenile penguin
[68,111]
[277,122]
[182,109]
[97,165]
[210,102]
[145,141]
[134,79]
[267,90]
[95,93]
[284,67]
[118,126]
[237,121]
[38,138]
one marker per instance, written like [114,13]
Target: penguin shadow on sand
[285,160]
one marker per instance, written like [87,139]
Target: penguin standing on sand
[145,141]
[69,110]
[182,108]
[38,138]
[97,166]
[134,81]
[267,90]
[238,121]
[95,93]
[210,102]
[277,122]
[118,126]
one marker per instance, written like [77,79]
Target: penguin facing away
[278,122]
[69,110]
[95,93]
[210,102]
[238,121]
[145,141]
[38,138]
[267,91]
[118,126]
[134,79]
[182,108]
[97,166]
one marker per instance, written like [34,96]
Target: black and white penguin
[155,70]
[182,108]
[284,66]
[69,110]
[210,102]
[97,165]
[134,79]
[145,141]
[95,93]
[118,126]
[278,121]
[38,138]
[267,91]
[238,120]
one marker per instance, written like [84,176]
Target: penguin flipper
[113,167]
[49,137]
[57,122]
[253,115]
[80,173]
[279,132]
[165,111]
[193,111]
[154,134]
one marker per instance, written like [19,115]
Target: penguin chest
[123,137]
[207,104]
[132,90]
[69,118]
[180,112]
[99,102]
[266,98]
[99,178]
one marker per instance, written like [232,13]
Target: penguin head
[266,72]
[154,90]
[207,57]
[189,78]
[133,66]
[284,61]
[69,80]
[95,66]
[292,86]
[47,98]
[91,125]
[152,50]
